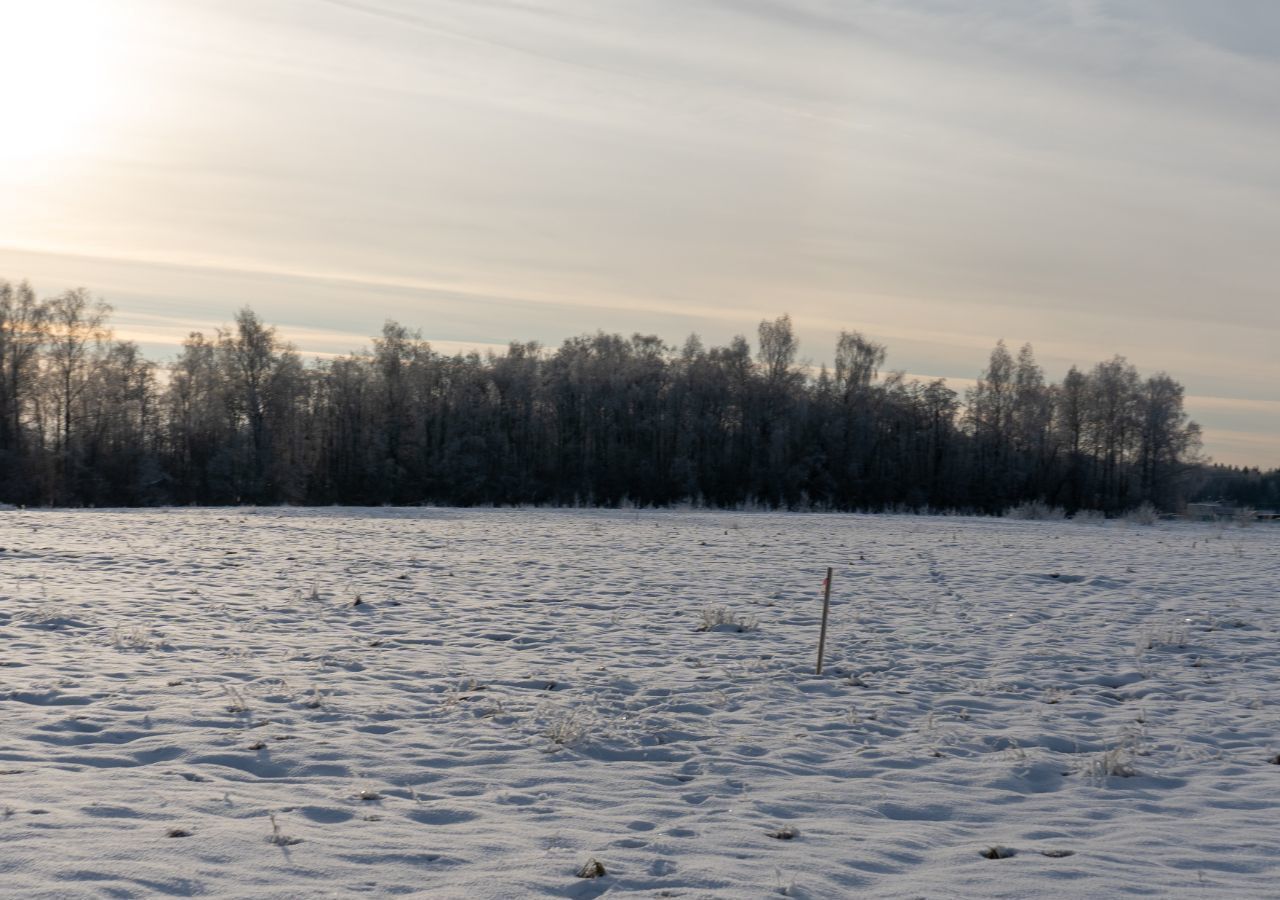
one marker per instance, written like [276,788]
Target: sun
[55,80]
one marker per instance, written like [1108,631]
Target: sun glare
[55,81]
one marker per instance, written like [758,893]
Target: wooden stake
[826,605]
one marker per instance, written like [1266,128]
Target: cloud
[1092,176]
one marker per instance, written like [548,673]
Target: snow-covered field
[192,703]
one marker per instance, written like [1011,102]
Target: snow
[1008,709]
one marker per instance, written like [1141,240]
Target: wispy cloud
[1092,176]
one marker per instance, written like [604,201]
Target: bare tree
[858,362]
[778,349]
[250,355]
[76,333]
[23,323]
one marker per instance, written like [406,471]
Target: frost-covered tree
[601,419]
[23,324]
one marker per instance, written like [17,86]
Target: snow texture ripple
[479,703]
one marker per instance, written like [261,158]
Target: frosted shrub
[1152,637]
[567,728]
[278,837]
[1146,514]
[236,702]
[1035,511]
[44,614]
[134,638]
[592,868]
[1116,762]
[721,618]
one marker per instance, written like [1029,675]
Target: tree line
[240,417]
[1240,486]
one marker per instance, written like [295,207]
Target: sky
[1095,177]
